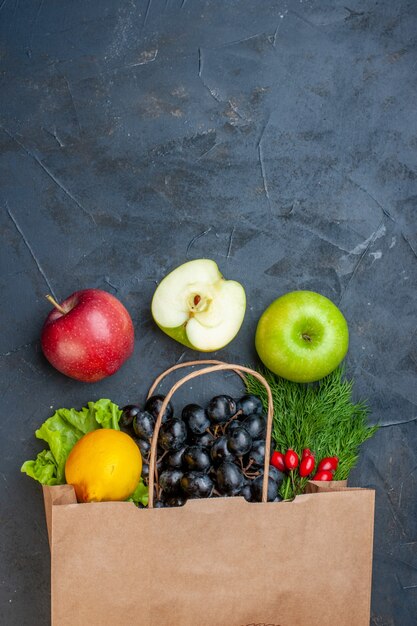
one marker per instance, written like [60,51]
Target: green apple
[302,336]
[195,305]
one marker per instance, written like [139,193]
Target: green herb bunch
[320,416]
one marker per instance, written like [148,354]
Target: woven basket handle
[219,367]
[178,366]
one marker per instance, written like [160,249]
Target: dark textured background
[278,138]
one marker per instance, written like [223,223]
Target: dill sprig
[320,416]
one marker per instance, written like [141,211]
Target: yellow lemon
[104,465]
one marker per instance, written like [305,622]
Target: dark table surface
[278,138]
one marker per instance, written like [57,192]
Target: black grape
[239,441]
[219,451]
[128,413]
[220,409]
[246,492]
[178,500]
[197,458]
[205,440]
[153,406]
[172,434]
[229,479]
[255,425]
[257,454]
[197,485]
[144,446]
[169,481]
[145,470]
[196,418]
[143,425]
[159,504]
[233,424]
[275,474]
[256,488]
[249,404]
[174,459]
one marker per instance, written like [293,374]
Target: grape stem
[252,475]
[248,465]
[162,456]
[224,427]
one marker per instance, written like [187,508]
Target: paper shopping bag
[213,562]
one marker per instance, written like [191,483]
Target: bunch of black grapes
[216,451]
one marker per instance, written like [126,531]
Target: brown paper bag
[213,562]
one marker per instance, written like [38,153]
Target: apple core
[195,305]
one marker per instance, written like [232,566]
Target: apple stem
[55,304]
[306,337]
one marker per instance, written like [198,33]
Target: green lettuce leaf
[62,431]
[43,469]
[106,414]
[140,495]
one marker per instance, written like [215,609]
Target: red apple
[88,336]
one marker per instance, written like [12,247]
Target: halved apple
[195,305]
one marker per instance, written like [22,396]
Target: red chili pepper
[307,452]
[329,463]
[278,461]
[323,475]
[306,466]
[291,459]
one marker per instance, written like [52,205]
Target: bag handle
[178,366]
[218,367]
